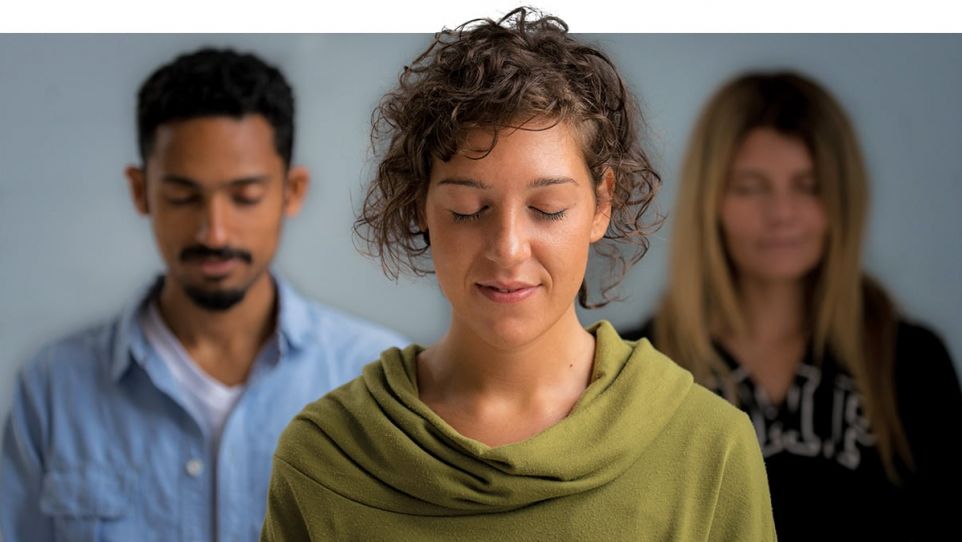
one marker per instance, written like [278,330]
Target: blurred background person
[858,410]
[161,423]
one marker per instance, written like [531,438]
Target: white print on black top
[793,427]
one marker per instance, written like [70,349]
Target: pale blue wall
[72,249]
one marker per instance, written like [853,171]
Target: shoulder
[348,341]
[333,432]
[352,409]
[321,323]
[701,413]
[309,429]
[720,421]
[913,336]
[65,376]
[346,326]
[714,443]
[705,416]
[724,449]
[740,489]
[337,450]
[925,376]
[75,357]
[920,351]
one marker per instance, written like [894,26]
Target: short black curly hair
[213,82]
[497,75]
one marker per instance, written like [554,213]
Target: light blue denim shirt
[98,444]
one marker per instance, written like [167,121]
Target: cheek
[451,252]
[264,223]
[737,220]
[446,255]
[173,228]
[563,250]
[171,236]
[818,219]
[739,227]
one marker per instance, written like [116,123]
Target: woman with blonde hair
[858,412]
[510,151]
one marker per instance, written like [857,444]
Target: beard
[215,300]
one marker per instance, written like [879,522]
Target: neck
[462,364]
[224,344]
[773,310]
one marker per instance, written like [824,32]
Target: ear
[421,210]
[137,182]
[295,189]
[603,192]
[422,217]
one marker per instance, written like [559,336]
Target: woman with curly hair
[858,412]
[510,150]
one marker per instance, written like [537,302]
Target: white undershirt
[208,400]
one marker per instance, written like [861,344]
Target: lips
[507,292]
[215,263]
[216,267]
[787,243]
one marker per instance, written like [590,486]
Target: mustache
[200,252]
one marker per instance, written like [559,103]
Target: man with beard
[161,424]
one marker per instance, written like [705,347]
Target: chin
[219,300]
[784,273]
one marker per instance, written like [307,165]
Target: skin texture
[520,220]
[218,183]
[774,226]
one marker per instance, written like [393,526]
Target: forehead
[766,148]
[215,146]
[535,150]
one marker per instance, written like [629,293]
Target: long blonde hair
[852,316]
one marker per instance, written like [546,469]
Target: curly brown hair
[497,75]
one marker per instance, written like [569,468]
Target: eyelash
[246,201]
[459,218]
[552,216]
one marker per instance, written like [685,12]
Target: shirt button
[194,467]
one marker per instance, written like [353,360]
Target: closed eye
[461,217]
[242,200]
[549,216]
[248,193]
[182,200]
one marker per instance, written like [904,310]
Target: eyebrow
[191,183]
[550,181]
[537,183]
[750,173]
[758,174]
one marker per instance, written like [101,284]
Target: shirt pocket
[90,505]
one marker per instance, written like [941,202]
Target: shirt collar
[130,343]
[293,322]
[293,315]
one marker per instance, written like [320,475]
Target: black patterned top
[826,476]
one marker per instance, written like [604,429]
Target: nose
[782,206]
[508,241]
[212,230]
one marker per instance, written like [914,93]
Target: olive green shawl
[645,454]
